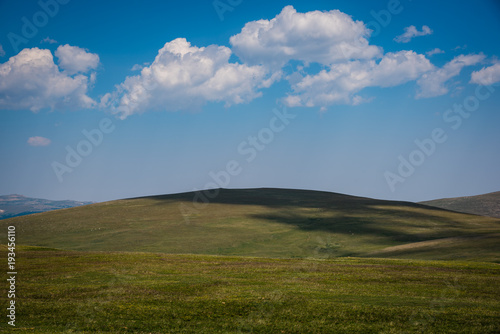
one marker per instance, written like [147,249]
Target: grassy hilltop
[266,223]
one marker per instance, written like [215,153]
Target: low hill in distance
[483,205]
[279,223]
[18,205]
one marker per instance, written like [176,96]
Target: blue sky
[384,99]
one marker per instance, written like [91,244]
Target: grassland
[105,292]
[255,261]
[266,223]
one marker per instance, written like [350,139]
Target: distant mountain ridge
[18,205]
[483,205]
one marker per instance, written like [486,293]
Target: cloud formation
[433,84]
[185,77]
[411,32]
[73,59]
[322,37]
[341,82]
[31,80]
[48,40]
[39,141]
[433,52]
[2,52]
[487,75]
[326,56]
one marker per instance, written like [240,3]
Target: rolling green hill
[265,223]
[484,205]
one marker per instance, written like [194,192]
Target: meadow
[107,292]
[255,261]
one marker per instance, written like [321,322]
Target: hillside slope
[484,205]
[266,223]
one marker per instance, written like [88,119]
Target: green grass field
[98,292]
[255,261]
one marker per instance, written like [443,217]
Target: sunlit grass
[80,292]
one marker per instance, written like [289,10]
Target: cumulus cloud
[411,32]
[31,80]
[74,60]
[342,81]
[433,52]
[433,84]
[487,75]
[39,141]
[2,52]
[185,77]
[322,37]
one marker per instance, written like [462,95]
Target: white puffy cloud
[322,37]
[39,141]
[342,81]
[31,80]
[433,83]
[185,77]
[411,32]
[73,59]
[487,75]
[434,51]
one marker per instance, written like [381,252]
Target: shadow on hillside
[338,213]
[378,225]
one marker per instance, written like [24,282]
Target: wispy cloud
[433,84]
[2,52]
[39,141]
[48,40]
[487,75]
[434,52]
[411,32]
[138,67]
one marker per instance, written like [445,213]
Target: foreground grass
[97,292]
